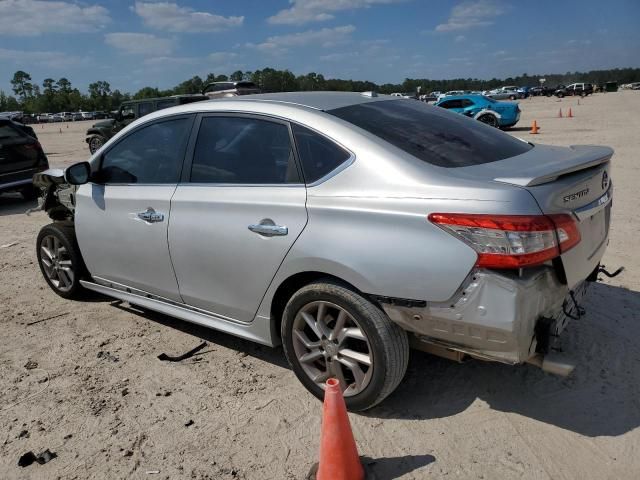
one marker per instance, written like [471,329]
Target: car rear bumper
[494,316]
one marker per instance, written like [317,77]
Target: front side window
[128,111]
[467,103]
[243,150]
[318,155]
[431,134]
[451,104]
[152,154]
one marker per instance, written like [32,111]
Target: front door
[237,215]
[122,216]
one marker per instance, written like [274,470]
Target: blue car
[482,108]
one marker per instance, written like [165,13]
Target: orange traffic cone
[560,114]
[570,115]
[338,451]
[534,128]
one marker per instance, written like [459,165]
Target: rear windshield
[433,134]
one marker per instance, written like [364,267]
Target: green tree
[99,95]
[21,84]
[237,76]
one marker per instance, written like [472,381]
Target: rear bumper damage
[507,318]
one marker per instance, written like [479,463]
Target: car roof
[316,100]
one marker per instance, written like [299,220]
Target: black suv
[581,89]
[21,156]
[129,111]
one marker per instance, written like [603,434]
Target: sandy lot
[102,401]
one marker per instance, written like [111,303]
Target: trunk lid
[573,180]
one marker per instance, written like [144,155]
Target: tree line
[59,95]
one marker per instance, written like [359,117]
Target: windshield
[432,134]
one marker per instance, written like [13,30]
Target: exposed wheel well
[292,285]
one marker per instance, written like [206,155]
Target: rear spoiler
[545,170]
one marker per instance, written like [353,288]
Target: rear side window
[152,154]
[318,154]
[243,150]
[7,132]
[145,109]
[432,134]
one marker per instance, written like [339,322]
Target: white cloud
[325,37]
[305,11]
[50,59]
[476,13]
[34,17]
[460,38]
[140,43]
[173,18]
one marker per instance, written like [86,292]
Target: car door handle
[269,230]
[151,216]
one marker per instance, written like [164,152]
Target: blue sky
[132,44]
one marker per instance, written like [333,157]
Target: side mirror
[78,174]
[118,116]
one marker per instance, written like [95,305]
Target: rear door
[237,214]
[122,216]
[20,154]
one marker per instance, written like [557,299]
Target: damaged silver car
[347,227]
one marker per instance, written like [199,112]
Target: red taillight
[511,241]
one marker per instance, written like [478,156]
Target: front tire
[95,142]
[331,331]
[60,261]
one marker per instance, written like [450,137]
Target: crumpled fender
[486,110]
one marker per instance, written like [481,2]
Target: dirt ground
[101,400]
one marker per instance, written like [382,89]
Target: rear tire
[489,119]
[30,192]
[329,330]
[60,260]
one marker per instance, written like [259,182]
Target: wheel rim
[95,144]
[329,343]
[56,262]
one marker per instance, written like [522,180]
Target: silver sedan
[346,227]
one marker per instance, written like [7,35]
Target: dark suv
[129,111]
[581,89]
[21,156]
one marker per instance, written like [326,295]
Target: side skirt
[258,331]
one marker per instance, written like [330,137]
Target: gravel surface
[83,380]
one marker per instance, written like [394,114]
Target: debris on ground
[184,356]
[30,365]
[7,245]
[189,423]
[48,318]
[42,458]
[107,356]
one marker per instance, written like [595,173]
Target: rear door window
[318,155]
[145,109]
[432,134]
[243,150]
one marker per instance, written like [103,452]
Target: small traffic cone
[534,128]
[560,114]
[570,115]
[339,458]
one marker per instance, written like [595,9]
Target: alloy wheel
[57,263]
[329,343]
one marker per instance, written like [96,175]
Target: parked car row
[68,116]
